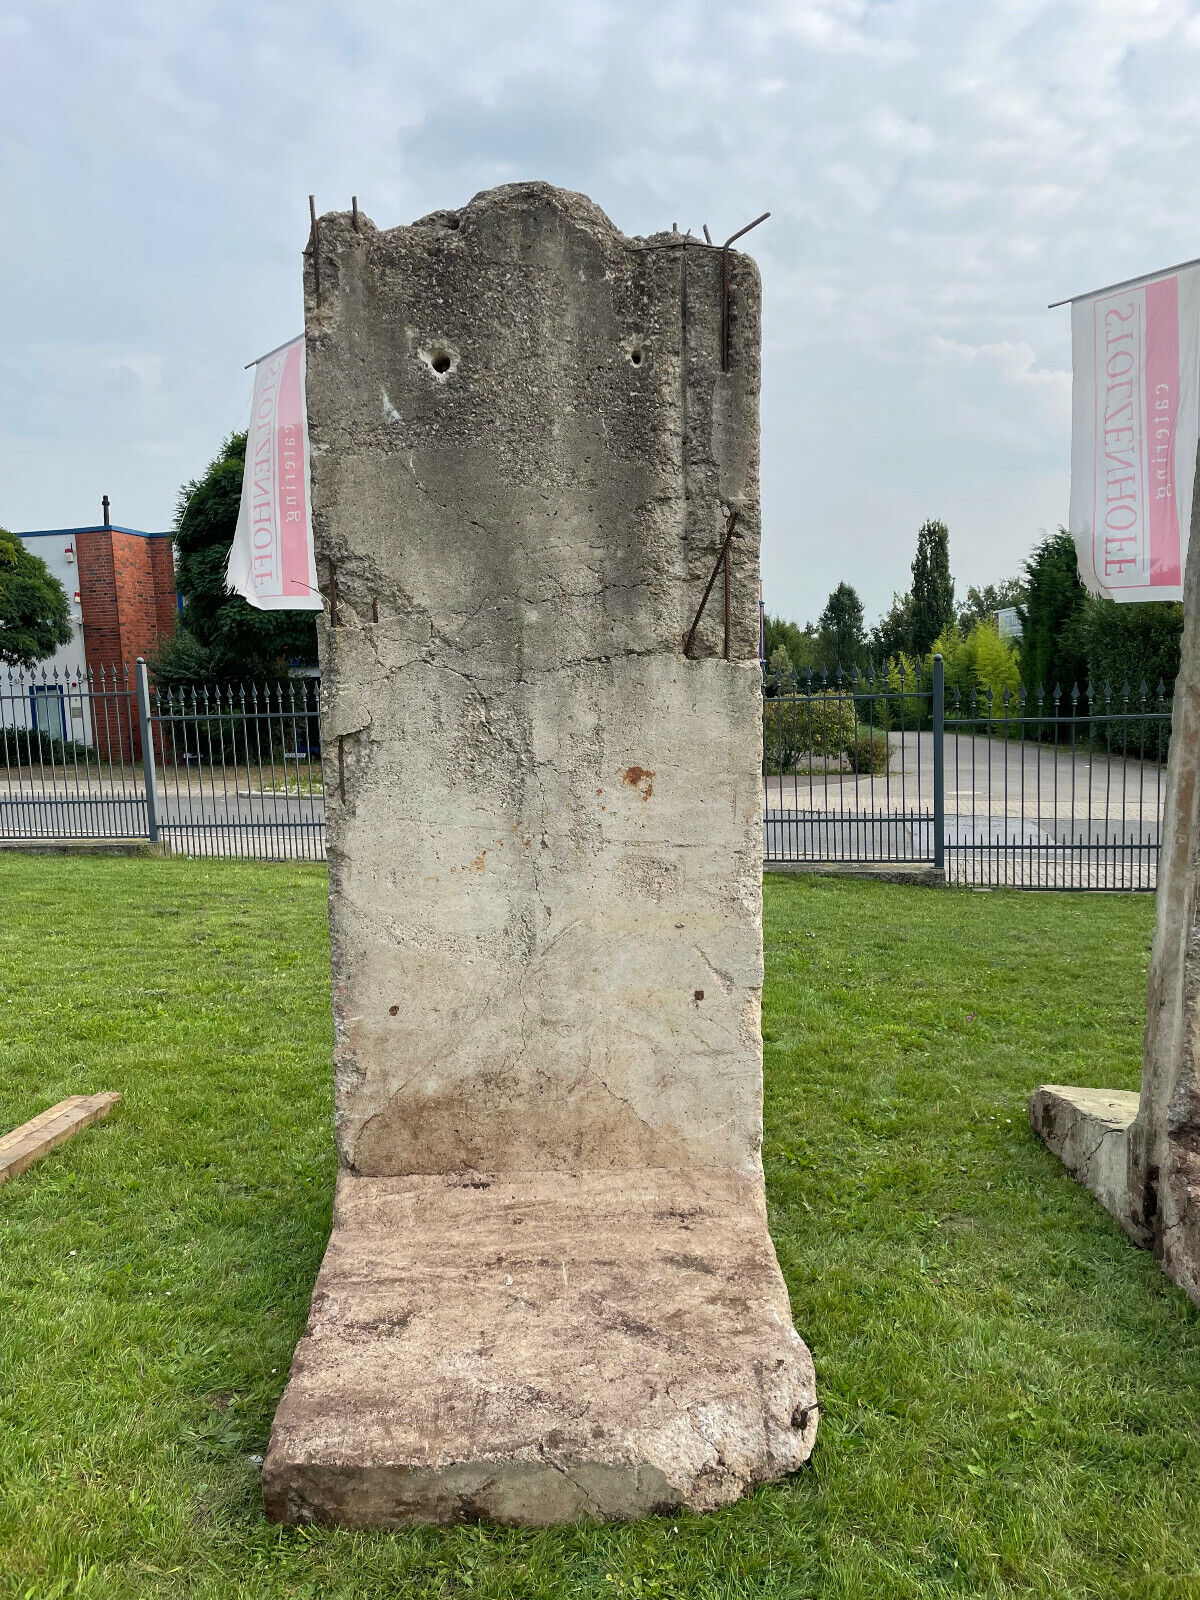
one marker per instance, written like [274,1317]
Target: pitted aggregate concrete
[534,528]
[545,849]
[1145,1168]
[593,1344]
[1087,1129]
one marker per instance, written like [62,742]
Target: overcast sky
[937,171]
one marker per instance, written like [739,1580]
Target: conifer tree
[932,586]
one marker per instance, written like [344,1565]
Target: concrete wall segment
[546,871]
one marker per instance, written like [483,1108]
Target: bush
[781,747]
[908,704]
[798,725]
[180,661]
[869,752]
[994,664]
[30,747]
[1131,651]
[822,725]
[983,674]
[976,666]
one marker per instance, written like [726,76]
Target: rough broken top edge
[1120,1104]
[526,195]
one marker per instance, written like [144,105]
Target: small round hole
[636,357]
[440,361]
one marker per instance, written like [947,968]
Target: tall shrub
[1052,649]
[1131,651]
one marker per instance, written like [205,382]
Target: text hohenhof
[271,560]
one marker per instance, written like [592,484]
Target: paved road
[1015,812]
[239,824]
[985,778]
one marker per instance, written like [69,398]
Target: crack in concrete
[589,1500]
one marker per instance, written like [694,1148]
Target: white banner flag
[1135,355]
[271,561]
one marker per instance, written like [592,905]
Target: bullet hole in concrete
[441,359]
[393,1011]
[699,995]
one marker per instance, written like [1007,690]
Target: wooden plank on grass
[21,1148]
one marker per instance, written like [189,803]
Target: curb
[924,877]
[84,847]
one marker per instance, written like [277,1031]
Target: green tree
[1053,654]
[1131,651]
[222,636]
[983,603]
[1131,645]
[891,637]
[932,586]
[840,629]
[978,664]
[788,647]
[34,618]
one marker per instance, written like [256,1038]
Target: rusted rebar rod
[725,286]
[721,561]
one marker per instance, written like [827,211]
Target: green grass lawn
[1010,1391]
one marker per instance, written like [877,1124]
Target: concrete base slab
[1087,1129]
[536,1349]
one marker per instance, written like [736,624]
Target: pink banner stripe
[292,477]
[1162,411]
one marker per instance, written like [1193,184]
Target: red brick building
[120,585]
[126,593]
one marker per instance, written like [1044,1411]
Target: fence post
[939,764]
[142,681]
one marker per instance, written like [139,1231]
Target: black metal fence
[1045,791]
[233,770]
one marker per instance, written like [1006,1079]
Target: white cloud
[1013,365]
[937,170]
[834,27]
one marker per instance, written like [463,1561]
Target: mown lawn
[1010,1391]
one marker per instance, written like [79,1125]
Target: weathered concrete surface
[535,1350]
[545,846]
[1087,1129]
[545,878]
[1161,1205]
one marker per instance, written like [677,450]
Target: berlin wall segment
[549,1291]
[1140,1154]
